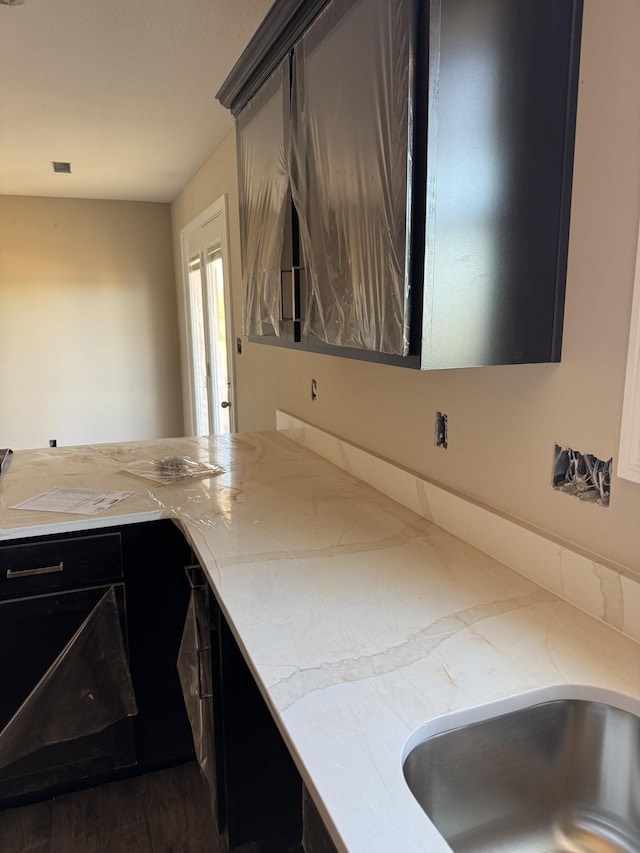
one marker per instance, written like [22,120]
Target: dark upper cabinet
[415,159]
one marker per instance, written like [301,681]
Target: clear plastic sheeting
[86,689]
[173,469]
[263,156]
[350,171]
[194,670]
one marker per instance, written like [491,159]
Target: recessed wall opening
[582,475]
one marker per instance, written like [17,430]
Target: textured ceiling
[124,90]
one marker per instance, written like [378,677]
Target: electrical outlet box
[441,436]
[582,475]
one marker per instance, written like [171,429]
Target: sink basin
[555,775]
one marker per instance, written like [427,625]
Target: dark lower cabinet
[90,626]
[262,802]
[101,654]
[255,791]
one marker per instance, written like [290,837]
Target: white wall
[504,421]
[88,334]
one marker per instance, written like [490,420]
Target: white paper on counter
[81,501]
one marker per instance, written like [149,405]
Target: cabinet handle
[26,573]
[294,301]
[195,576]
[201,680]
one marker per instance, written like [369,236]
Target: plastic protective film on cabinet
[194,669]
[84,691]
[350,171]
[263,154]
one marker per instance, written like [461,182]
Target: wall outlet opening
[441,436]
[582,475]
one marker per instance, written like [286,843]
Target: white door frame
[218,208]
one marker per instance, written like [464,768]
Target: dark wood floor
[163,812]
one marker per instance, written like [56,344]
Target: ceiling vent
[58,166]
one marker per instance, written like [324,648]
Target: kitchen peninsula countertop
[360,620]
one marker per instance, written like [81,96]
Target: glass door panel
[199,346]
[218,344]
[209,324]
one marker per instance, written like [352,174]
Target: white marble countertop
[360,620]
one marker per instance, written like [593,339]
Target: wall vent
[59,166]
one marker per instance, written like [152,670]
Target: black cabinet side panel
[157,601]
[503,86]
[263,787]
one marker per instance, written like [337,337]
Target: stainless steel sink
[559,775]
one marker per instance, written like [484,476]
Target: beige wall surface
[503,421]
[88,343]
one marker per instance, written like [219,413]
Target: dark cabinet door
[195,668]
[67,698]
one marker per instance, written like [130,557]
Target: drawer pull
[26,573]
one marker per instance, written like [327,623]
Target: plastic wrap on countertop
[86,689]
[173,469]
[263,158]
[350,171]
[195,672]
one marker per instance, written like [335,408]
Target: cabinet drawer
[34,566]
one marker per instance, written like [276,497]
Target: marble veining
[302,682]
[361,616]
[596,588]
[612,596]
